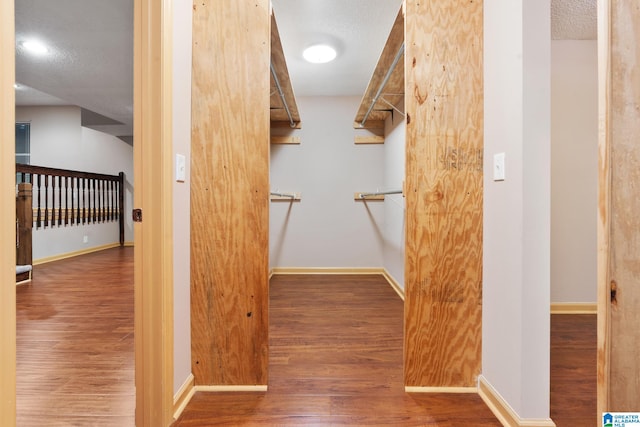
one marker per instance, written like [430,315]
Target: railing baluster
[100,199]
[84,201]
[94,200]
[39,214]
[72,197]
[59,201]
[77,199]
[113,200]
[66,201]
[46,201]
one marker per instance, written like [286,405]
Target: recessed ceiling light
[35,47]
[319,53]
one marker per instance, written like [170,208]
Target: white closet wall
[394,207]
[574,170]
[327,228]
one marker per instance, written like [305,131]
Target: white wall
[574,166]
[394,207]
[182,15]
[327,228]
[516,271]
[59,141]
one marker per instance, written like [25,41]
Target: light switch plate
[181,168]
[498,167]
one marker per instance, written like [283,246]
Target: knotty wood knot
[614,293]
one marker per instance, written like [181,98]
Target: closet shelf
[284,110]
[276,196]
[386,87]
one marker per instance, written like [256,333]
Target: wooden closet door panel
[230,192]
[444,150]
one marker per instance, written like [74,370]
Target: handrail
[74,197]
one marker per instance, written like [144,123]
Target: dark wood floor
[75,345]
[335,359]
[335,356]
[573,370]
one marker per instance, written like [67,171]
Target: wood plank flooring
[573,370]
[75,360]
[335,357]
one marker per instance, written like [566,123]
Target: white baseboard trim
[45,260]
[224,388]
[183,396]
[574,308]
[395,285]
[503,411]
[413,389]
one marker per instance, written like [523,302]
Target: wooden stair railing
[65,197]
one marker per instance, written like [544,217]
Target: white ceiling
[358,29]
[90,58]
[90,63]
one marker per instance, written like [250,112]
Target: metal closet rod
[293,196]
[384,83]
[284,101]
[380,193]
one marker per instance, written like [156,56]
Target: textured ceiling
[90,63]
[573,19]
[358,30]
[90,58]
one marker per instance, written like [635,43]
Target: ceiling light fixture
[319,53]
[35,47]
[16,86]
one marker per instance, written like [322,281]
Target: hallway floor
[335,356]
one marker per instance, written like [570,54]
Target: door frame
[7,216]
[604,210]
[153,237]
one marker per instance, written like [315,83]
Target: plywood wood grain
[624,255]
[230,192]
[368,139]
[278,110]
[443,260]
[393,90]
[285,139]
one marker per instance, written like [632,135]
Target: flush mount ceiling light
[319,53]
[35,47]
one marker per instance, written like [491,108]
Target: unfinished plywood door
[443,261]
[230,192]
[619,205]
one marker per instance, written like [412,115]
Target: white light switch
[498,167]
[181,168]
